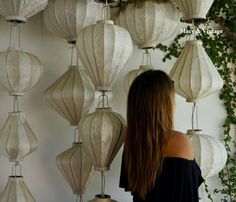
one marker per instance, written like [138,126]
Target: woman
[158,163]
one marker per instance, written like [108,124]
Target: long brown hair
[150,122]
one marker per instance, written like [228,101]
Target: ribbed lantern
[17,139]
[194,9]
[21,10]
[194,75]
[16,191]
[71,95]
[129,78]
[209,152]
[77,167]
[104,48]
[19,71]
[66,18]
[103,133]
[150,23]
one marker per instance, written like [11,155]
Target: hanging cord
[77,137]
[147,57]
[15,29]
[194,30]
[105,14]
[73,46]
[79,198]
[194,116]
[103,181]
[16,104]
[15,168]
[103,100]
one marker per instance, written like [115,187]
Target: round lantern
[16,191]
[66,18]
[77,168]
[209,153]
[104,48]
[150,23]
[71,95]
[103,133]
[17,139]
[21,10]
[129,78]
[194,74]
[19,71]
[194,9]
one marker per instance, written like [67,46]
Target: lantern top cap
[197,42]
[145,66]
[192,132]
[104,109]
[111,22]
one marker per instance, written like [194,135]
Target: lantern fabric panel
[19,71]
[103,134]
[71,95]
[66,18]
[104,48]
[194,9]
[209,153]
[16,191]
[130,77]
[21,10]
[17,139]
[194,75]
[77,168]
[149,23]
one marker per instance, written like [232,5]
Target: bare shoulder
[179,145]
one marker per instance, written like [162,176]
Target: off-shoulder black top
[178,182]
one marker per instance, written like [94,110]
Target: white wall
[55,134]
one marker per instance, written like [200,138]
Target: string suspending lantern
[66,18]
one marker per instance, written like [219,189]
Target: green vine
[221,48]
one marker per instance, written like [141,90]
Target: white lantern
[194,9]
[77,168]
[194,75]
[104,48]
[209,152]
[17,139]
[103,133]
[71,95]
[150,23]
[66,18]
[16,191]
[21,10]
[19,71]
[130,77]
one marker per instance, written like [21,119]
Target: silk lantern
[17,139]
[103,133]
[21,10]
[19,71]
[66,18]
[194,9]
[16,191]
[210,153]
[130,77]
[104,48]
[71,95]
[150,23]
[77,167]
[194,75]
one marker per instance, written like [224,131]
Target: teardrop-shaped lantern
[209,153]
[130,77]
[66,18]
[104,48]
[194,9]
[77,167]
[21,10]
[71,95]
[19,71]
[150,23]
[103,133]
[194,75]
[16,191]
[17,139]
